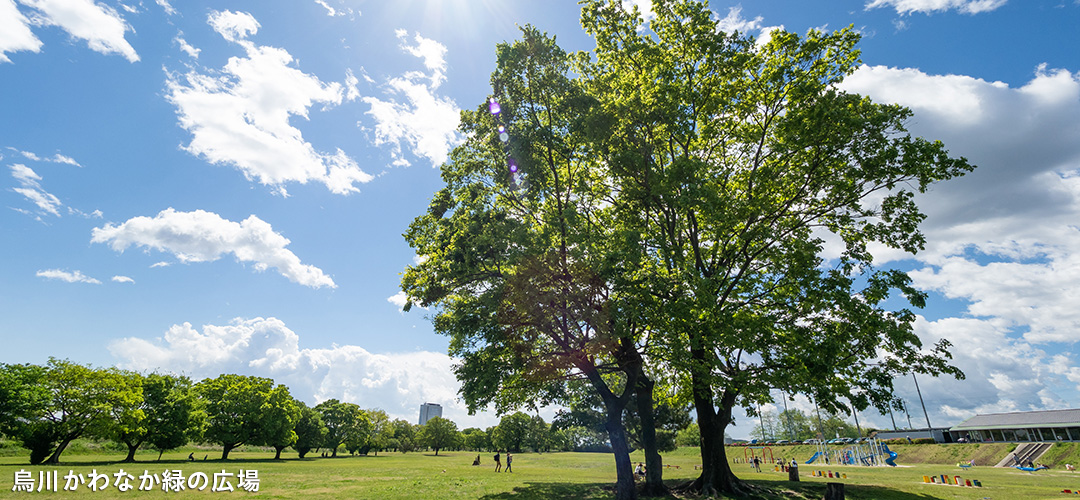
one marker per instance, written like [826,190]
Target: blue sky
[208,187]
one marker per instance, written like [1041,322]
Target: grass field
[536,476]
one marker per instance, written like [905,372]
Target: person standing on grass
[498,462]
[509,461]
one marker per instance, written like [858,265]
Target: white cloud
[75,277]
[25,175]
[351,91]
[59,158]
[1024,197]
[240,117]
[644,8]
[31,189]
[15,33]
[100,25]
[186,47]
[1002,239]
[160,264]
[56,158]
[329,10]
[201,236]
[424,122]
[164,4]
[1003,373]
[122,279]
[735,22]
[399,383]
[433,53]
[930,6]
[398,299]
[233,26]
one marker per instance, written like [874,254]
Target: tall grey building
[429,411]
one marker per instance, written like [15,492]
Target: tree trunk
[654,463]
[159,454]
[716,475]
[615,405]
[277,456]
[131,452]
[624,470]
[225,449]
[55,457]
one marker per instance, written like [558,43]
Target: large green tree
[127,425]
[24,399]
[521,254]
[439,433]
[734,160]
[168,415]
[81,401]
[245,409]
[174,412]
[339,418]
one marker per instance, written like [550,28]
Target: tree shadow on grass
[546,491]
[762,491]
[814,490]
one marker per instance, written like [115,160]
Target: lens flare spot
[493,106]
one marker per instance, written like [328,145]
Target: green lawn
[536,476]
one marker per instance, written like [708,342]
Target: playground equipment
[891,461]
[822,453]
[748,454]
[1030,469]
[870,452]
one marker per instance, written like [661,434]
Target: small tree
[277,419]
[358,435]
[689,436]
[381,432]
[476,439]
[310,430]
[405,435]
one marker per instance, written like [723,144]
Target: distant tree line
[46,407]
[794,424]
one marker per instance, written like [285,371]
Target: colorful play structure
[871,452]
[748,454]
